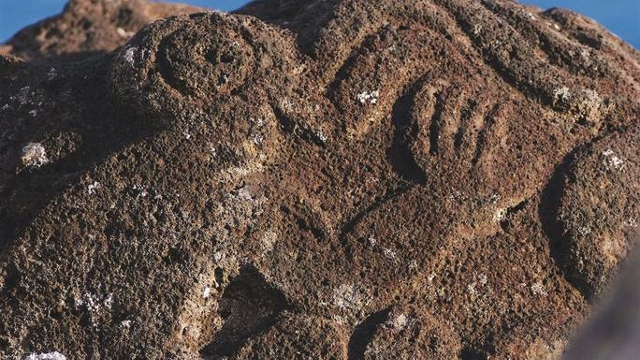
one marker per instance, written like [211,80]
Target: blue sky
[622,17]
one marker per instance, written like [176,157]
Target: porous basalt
[319,179]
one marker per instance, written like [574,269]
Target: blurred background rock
[622,17]
[614,332]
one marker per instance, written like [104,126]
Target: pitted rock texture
[317,179]
[88,27]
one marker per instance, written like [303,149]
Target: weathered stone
[315,179]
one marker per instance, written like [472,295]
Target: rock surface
[89,27]
[336,179]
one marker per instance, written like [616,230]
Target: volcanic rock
[318,179]
[89,27]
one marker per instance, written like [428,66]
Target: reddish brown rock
[88,27]
[410,333]
[599,208]
[290,180]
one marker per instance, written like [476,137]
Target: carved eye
[225,58]
[199,61]
[184,62]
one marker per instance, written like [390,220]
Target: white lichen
[612,161]
[389,254]
[206,292]
[108,301]
[258,122]
[562,94]
[52,74]
[372,241]
[347,297]
[218,256]
[321,136]
[24,95]
[211,148]
[370,97]
[482,278]
[591,105]
[499,215]
[46,356]
[538,289]
[94,304]
[471,288]
[477,29]
[129,55]
[34,155]
[258,139]
[140,189]
[268,241]
[93,187]
[584,230]
[244,194]
[399,322]
[287,104]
